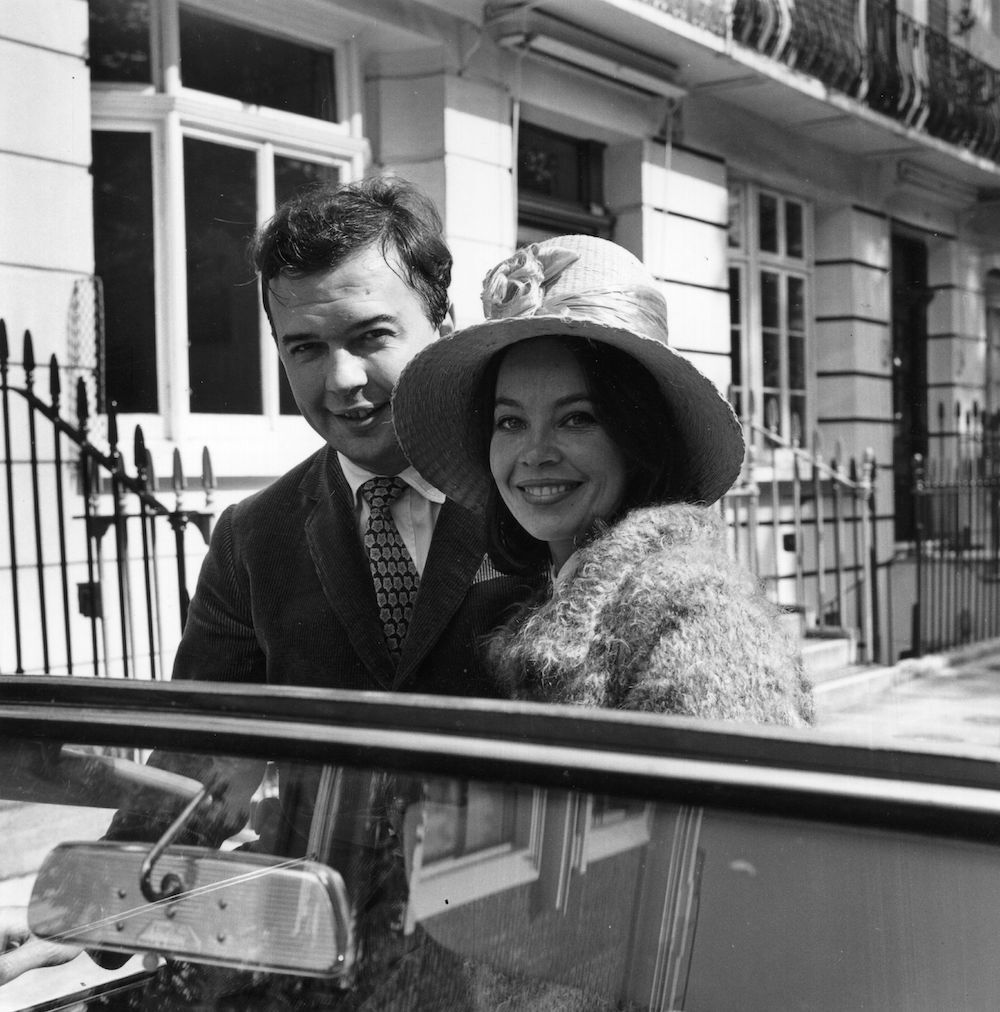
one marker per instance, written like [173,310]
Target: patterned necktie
[393,572]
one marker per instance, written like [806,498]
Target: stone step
[857,685]
[827,657]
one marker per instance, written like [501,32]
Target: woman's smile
[547,492]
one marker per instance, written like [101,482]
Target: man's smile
[360,415]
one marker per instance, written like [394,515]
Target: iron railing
[76,603]
[957,552]
[807,529]
[870,51]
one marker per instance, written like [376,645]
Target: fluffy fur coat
[657,617]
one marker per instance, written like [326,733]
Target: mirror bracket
[171,885]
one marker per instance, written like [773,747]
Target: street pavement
[945,699]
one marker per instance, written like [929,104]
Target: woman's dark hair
[320,227]
[631,407]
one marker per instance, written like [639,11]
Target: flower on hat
[517,285]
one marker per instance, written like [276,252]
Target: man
[354,281]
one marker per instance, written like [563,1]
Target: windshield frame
[760,769]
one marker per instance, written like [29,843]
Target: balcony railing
[870,51]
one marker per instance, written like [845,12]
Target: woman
[594,448]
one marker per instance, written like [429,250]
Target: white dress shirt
[415,511]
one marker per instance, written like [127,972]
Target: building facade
[815,185]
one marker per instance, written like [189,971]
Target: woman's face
[554,464]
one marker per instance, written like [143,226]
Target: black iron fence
[957,552]
[95,563]
[807,528]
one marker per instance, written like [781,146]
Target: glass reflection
[473,894]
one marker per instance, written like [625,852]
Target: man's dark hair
[630,405]
[320,227]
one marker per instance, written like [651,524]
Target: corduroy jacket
[285,597]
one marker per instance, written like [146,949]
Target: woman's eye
[579,420]
[506,423]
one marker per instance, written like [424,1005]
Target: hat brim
[433,409]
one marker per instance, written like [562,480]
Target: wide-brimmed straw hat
[574,285]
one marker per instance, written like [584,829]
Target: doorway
[910,297]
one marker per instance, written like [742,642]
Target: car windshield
[279,880]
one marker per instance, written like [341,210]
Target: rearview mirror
[236,909]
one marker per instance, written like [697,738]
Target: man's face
[344,336]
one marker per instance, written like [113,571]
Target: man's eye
[374,337]
[303,349]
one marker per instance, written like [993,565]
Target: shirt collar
[356,476]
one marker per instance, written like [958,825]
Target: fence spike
[55,383]
[113,428]
[82,404]
[207,471]
[139,452]
[918,472]
[29,357]
[150,472]
[177,479]
[4,347]
[868,467]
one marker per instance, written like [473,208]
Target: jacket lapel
[455,556]
[342,566]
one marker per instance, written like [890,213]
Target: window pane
[796,304]
[793,229]
[770,289]
[768,211]
[290,176]
[771,349]
[735,299]
[119,41]
[123,256]
[223,340]
[735,335]
[294,174]
[259,69]
[796,363]
[559,166]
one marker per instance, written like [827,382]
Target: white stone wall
[46,240]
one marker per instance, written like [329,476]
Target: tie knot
[380,492]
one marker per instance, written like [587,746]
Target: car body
[553,857]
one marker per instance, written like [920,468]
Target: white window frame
[166,110]
[750,261]
[455,881]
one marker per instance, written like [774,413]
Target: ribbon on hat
[517,285]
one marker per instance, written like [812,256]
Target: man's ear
[448,323]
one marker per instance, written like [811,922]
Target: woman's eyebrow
[512,402]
